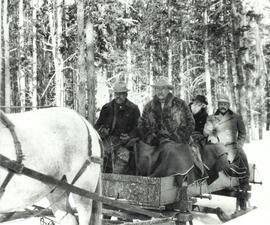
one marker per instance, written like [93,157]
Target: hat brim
[119,91]
[168,86]
[224,100]
[196,100]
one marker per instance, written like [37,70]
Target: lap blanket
[169,158]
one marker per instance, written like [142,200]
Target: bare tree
[1,53]
[206,62]
[33,84]
[55,18]
[21,73]
[6,56]
[82,76]
[90,70]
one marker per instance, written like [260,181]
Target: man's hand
[104,132]
[124,137]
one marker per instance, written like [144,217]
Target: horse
[54,141]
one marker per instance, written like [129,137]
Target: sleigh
[163,195]
[131,199]
[147,200]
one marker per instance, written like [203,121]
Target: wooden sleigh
[140,200]
[164,196]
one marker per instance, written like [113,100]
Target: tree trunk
[58,60]
[7,64]
[261,74]
[241,103]
[170,65]
[1,54]
[90,70]
[21,72]
[33,86]
[82,76]
[248,85]
[181,71]
[267,103]
[206,63]
[129,73]
[151,64]
[55,19]
[230,74]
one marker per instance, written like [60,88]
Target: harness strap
[94,159]
[85,165]
[18,148]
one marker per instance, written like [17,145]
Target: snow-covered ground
[258,152]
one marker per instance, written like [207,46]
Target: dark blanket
[169,158]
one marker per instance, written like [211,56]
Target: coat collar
[201,114]
[126,104]
[168,100]
[227,116]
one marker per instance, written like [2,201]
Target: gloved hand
[104,132]
[124,137]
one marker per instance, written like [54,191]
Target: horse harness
[18,148]
[19,155]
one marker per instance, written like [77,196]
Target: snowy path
[259,153]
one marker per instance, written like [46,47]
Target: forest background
[70,53]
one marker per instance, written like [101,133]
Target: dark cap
[201,98]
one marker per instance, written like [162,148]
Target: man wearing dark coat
[211,150]
[198,109]
[117,125]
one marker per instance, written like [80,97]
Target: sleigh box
[157,192]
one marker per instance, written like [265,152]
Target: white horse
[54,141]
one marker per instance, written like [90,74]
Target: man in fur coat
[165,127]
[166,116]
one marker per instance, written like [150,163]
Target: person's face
[120,97]
[196,106]
[223,107]
[161,92]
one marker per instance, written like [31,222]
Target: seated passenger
[117,125]
[229,129]
[165,127]
[211,151]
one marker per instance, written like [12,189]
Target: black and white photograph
[134,112]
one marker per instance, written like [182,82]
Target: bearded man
[117,125]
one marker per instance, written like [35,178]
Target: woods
[67,53]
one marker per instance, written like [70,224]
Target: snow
[258,152]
